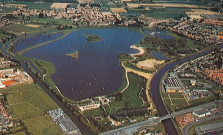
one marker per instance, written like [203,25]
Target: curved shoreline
[140,49]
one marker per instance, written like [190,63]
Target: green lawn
[94,112]
[131,95]
[180,102]
[23,108]
[40,99]
[15,98]
[19,29]
[173,95]
[42,125]
[115,105]
[29,103]
[165,95]
[202,100]
[167,101]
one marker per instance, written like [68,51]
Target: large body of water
[34,40]
[97,70]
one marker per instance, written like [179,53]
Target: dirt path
[127,78]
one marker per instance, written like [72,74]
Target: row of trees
[173,43]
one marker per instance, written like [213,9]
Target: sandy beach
[141,51]
[149,63]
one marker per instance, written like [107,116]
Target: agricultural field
[19,29]
[29,103]
[35,5]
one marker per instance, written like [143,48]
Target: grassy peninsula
[92,38]
[74,54]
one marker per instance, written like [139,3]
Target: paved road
[186,128]
[151,122]
[79,124]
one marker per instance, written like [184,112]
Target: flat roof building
[201,113]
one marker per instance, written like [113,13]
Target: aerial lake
[96,71]
[34,40]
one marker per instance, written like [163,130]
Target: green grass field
[114,106]
[42,125]
[29,103]
[94,112]
[131,95]
[32,5]
[165,95]
[173,95]
[179,102]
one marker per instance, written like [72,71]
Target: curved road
[155,90]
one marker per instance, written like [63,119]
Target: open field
[176,96]
[59,5]
[201,12]
[118,10]
[42,125]
[171,5]
[131,95]
[33,25]
[29,104]
[16,5]
[35,5]
[149,63]
[139,72]
[21,29]
[94,112]
[174,100]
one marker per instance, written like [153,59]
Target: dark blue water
[158,56]
[31,41]
[97,70]
[161,34]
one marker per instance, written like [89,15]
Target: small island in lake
[74,54]
[92,38]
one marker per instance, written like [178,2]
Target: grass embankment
[44,43]
[29,104]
